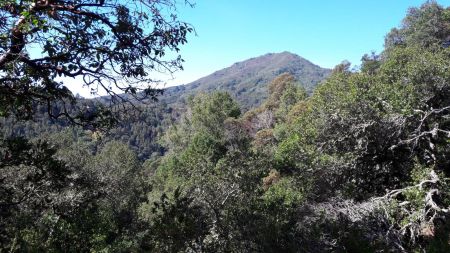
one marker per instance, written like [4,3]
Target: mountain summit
[247,80]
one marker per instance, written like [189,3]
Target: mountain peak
[284,55]
[247,80]
[273,56]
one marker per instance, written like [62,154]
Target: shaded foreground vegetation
[361,165]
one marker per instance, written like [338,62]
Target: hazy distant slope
[247,80]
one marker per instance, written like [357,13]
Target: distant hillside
[247,80]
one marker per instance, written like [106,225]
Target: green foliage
[37,190]
[370,63]
[283,193]
[361,165]
[141,130]
[109,46]
[284,93]
[422,26]
[209,113]
[178,225]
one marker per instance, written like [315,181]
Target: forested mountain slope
[247,81]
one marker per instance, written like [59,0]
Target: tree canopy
[109,47]
[360,165]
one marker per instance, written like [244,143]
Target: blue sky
[325,32]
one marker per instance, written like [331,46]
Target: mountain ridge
[247,80]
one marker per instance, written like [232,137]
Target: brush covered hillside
[247,81]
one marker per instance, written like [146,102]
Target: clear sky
[325,32]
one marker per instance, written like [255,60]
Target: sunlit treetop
[423,26]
